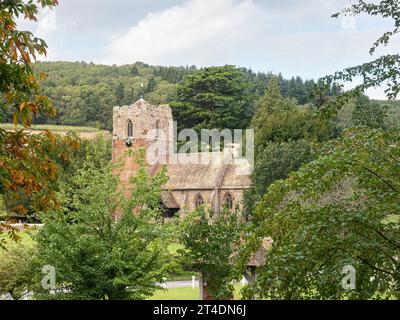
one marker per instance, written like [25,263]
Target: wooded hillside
[84,93]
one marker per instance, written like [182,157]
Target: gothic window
[129,129]
[198,200]
[228,200]
[158,129]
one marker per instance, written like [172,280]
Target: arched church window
[198,200]
[228,200]
[129,129]
[158,129]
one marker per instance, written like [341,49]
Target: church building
[214,179]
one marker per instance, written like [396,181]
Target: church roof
[214,172]
[141,103]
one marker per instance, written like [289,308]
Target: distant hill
[84,93]
[393,112]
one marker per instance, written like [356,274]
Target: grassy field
[51,127]
[174,247]
[162,294]
[26,236]
[185,294]
[26,239]
[176,294]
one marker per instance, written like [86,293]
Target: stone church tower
[214,183]
[139,125]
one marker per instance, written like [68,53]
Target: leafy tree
[163,93]
[269,113]
[274,162]
[28,196]
[19,86]
[341,209]
[16,270]
[103,245]
[26,165]
[215,97]
[84,93]
[210,244]
[173,74]
[369,114]
[279,119]
[283,135]
[134,71]
[343,206]
[361,111]
[392,108]
[296,89]
[97,151]
[119,93]
[151,85]
[385,69]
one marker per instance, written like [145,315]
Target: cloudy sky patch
[293,37]
[195,32]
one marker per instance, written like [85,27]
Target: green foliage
[368,114]
[278,119]
[215,97]
[84,94]
[295,88]
[385,69]
[362,111]
[28,163]
[102,244]
[341,209]
[30,170]
[274,162]
[19,88]
[96,152]
[16,270]
[120,93]
[210,244]
[392,108]
[283,135]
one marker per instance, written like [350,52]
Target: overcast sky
[294,37]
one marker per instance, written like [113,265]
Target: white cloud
[196,32]
[46,27]
[46,23]
[377,93]
[43,28]
[296,38]
[292,37]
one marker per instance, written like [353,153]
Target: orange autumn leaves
[28,163]
[29,167]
